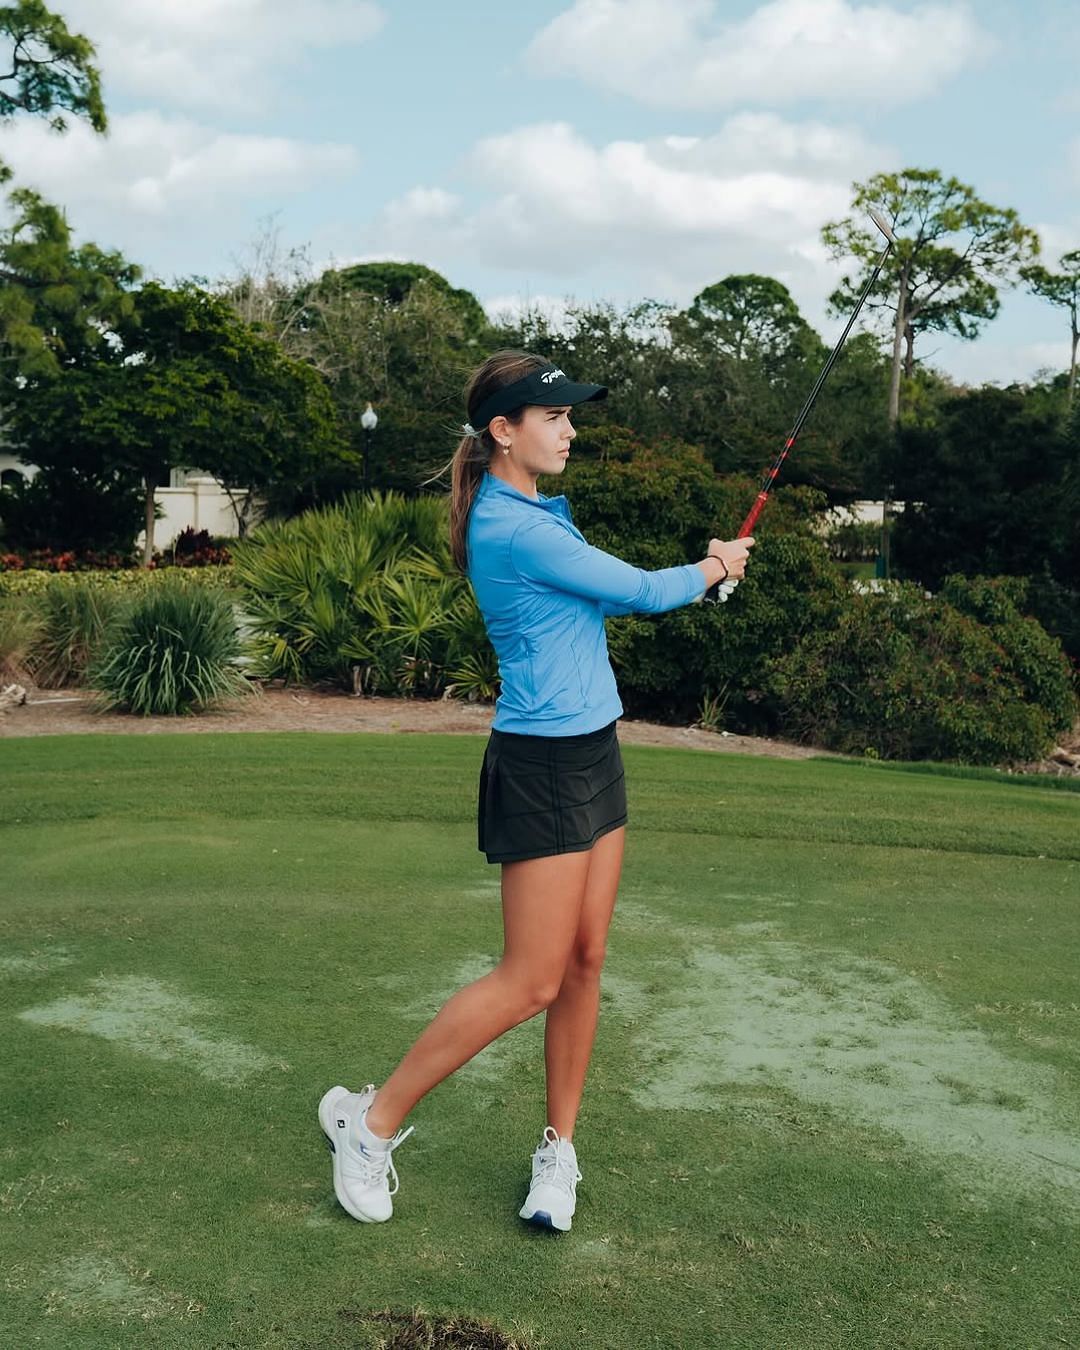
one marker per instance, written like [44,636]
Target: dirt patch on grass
[91,1283]
[48,713]
[151,1019]
[418,1330]
[873,1044]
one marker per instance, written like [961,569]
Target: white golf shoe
[552,1194]
[362,1172]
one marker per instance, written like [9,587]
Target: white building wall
[861,513]
[9,462]
[201,504]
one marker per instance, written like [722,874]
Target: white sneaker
[361,1172]
[552,1196]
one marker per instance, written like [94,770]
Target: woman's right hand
[733,553]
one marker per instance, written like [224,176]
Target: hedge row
[364,596]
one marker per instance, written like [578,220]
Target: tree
[394,282]
[267,290]
[1063,290]
[952,251]
[45,288]
[990,489]
[56,301]
[182,383]
[748,344]
[627,349]
[392,333]
[727,374]
[750,317]
[51,70]
[396,335]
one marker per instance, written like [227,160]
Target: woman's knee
[531,991]
[587,959]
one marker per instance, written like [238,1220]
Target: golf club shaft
[746,528]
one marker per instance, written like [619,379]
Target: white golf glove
[723,590]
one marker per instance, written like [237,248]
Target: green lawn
[834,1102]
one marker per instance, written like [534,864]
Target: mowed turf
[835,1099]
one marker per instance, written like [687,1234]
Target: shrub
[171,651]
[193,548]
[1034,658]
[61,511]
[659,508]
[1056,605]
[19,625]
[67,560]
[73,616]
[362,595]
[70,611]
[904,676]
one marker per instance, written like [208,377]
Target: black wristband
[720,560]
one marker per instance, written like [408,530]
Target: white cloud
[679,210]
[682,54]
[668,186]
[992,361]
[423,204]
[554,308]
[159,188]
[152,165]
[1059,239]
[221,54]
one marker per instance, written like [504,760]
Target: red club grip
[747,527]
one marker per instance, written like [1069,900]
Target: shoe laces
[376,1164]
[555,1163]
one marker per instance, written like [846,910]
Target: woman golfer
[552,800]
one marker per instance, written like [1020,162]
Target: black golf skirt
[541,795]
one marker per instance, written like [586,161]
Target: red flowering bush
[67,560]
[194,548]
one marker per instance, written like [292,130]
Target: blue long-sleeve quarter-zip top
[544,593]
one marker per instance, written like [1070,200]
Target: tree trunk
[1072,362]
[148,546]
[897,354]
[909,351]
[240,513]
[901,330]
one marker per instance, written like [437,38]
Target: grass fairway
[834,1102]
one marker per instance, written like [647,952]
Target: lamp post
[369,421]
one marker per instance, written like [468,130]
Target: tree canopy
[49,71]
[182,383]
[953,250]
[1061,289]
[56,301]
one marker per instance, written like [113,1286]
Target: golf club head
[879,221]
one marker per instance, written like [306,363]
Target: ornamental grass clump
[19,625]
[173,650]
[74,615]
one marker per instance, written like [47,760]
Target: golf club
[719,592]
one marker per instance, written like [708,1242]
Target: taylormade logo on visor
[548,385]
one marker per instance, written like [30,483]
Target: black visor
[547,386]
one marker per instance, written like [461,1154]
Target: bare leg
[571,1019]
[541,900]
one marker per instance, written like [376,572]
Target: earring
[506,449]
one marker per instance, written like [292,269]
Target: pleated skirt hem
[544,795]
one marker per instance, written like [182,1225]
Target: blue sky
[594,149]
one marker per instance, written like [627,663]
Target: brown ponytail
[475,454]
